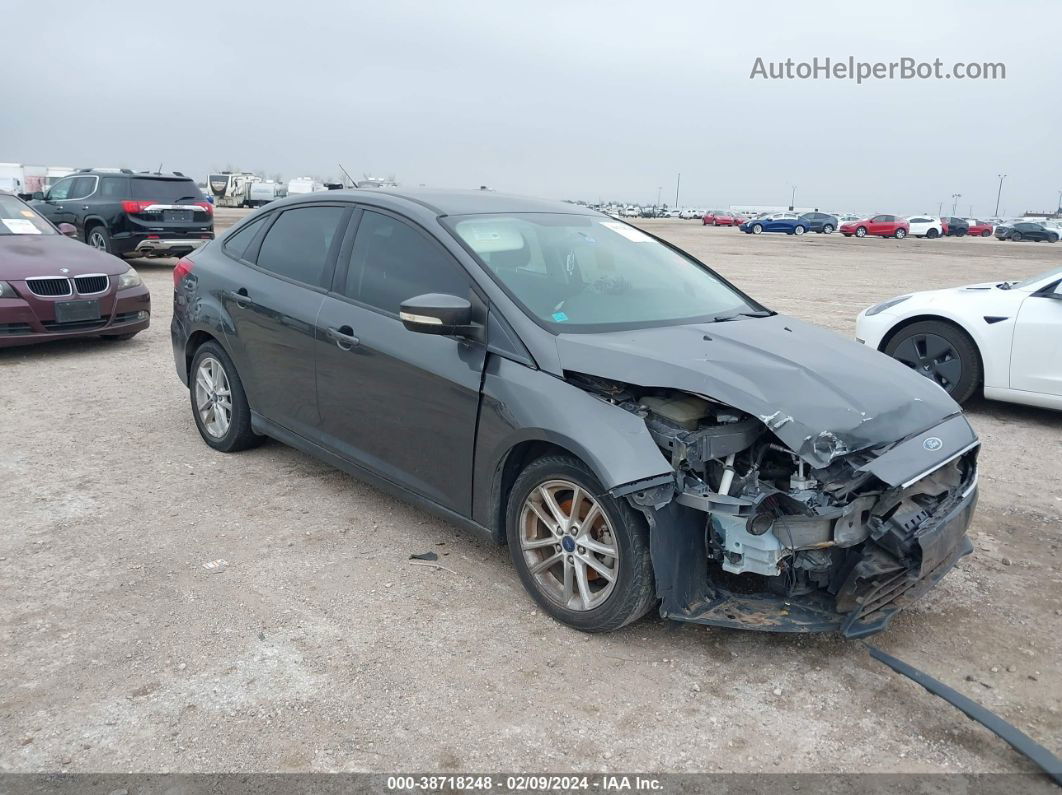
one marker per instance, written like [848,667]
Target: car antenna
[353,184]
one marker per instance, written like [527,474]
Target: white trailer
[232,188]
[261,193]
[304,185]
[12,178]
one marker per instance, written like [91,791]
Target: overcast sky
[557,98]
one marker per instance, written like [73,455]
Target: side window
[879,218]
[236,244]
[61,189]
[113,187]
[392,262]
[82,188]
[297,244]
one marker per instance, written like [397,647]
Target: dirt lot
[320,647]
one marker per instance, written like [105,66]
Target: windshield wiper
[736,315]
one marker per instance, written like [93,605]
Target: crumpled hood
[821,394]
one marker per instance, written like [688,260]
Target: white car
[1002,339]
[925,226]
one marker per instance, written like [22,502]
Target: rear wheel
[932,233]
[582,554]
[1015,236]
[900,234]
[986,233]
[799,230]
[942,352]
[827,229]
[98,238]
[219,403]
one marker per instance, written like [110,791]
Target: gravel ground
[321,647]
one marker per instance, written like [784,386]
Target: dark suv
[821,223]
[957,227]
[131,214]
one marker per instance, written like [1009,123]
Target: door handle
[240,297]
[343,337]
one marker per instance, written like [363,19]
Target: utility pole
[955,202]
[999,192]
[792,198]
[940,207]
[678,183]
[1059,201]
[658,196]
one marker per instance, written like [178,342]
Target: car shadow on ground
[1013,412]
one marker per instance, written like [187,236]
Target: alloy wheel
[213,397]
[861,232]
[932,356]
[569,545]
[98,241]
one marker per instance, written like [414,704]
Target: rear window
[164,190]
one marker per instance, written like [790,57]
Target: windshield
[17,218]
[585,273]
[1046,275]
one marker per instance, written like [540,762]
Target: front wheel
[941,352]
[582,554]
[757,229]
[861,231]
[900,234]
[219,403]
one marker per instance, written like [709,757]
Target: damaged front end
[748,533]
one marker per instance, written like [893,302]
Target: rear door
[400,403]
[274,301]
[1036,355]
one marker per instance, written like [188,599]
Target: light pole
[1060,201]
[955,202]
[792,198]
[658,196]
[999,192]
[678,183]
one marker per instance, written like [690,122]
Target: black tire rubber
[101,230]
[960,341]
[239,435]
[932,234]
[986,233]
[634,592]
[1015,236]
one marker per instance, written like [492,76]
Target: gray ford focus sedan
[638,430]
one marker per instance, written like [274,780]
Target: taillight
[206,207]
[134,207]
[180,270]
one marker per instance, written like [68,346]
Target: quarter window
[392,262]
[236,245]
[298,243]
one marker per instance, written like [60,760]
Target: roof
[471,202]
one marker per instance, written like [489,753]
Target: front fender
[520,404]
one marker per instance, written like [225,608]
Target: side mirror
[68,229]
[437,313]
[38,195]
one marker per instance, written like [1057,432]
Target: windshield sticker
[559,317]
[20,226]
[628,232]
[27,214]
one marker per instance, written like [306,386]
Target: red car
[878,225]
[719,218]
[980,228]
[53,287]
[943,227]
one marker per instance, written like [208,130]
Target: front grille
[49,286]
[86,285]
[77,325]
[14,329]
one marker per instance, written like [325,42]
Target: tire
[846,234]
[237,434]
[861,231]
[932,234]
[757,229]
[900,234]
[97,237]
[986,233]
[931,348]
[799,230]
[619,527]
[827,229]
[1015,236]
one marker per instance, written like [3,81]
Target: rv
[232,188]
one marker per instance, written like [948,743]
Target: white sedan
[925,226]
[1004,339]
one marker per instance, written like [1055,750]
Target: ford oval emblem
[932,443]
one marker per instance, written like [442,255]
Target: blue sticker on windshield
[560,317]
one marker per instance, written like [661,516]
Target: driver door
[399,403]
[1036,353]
